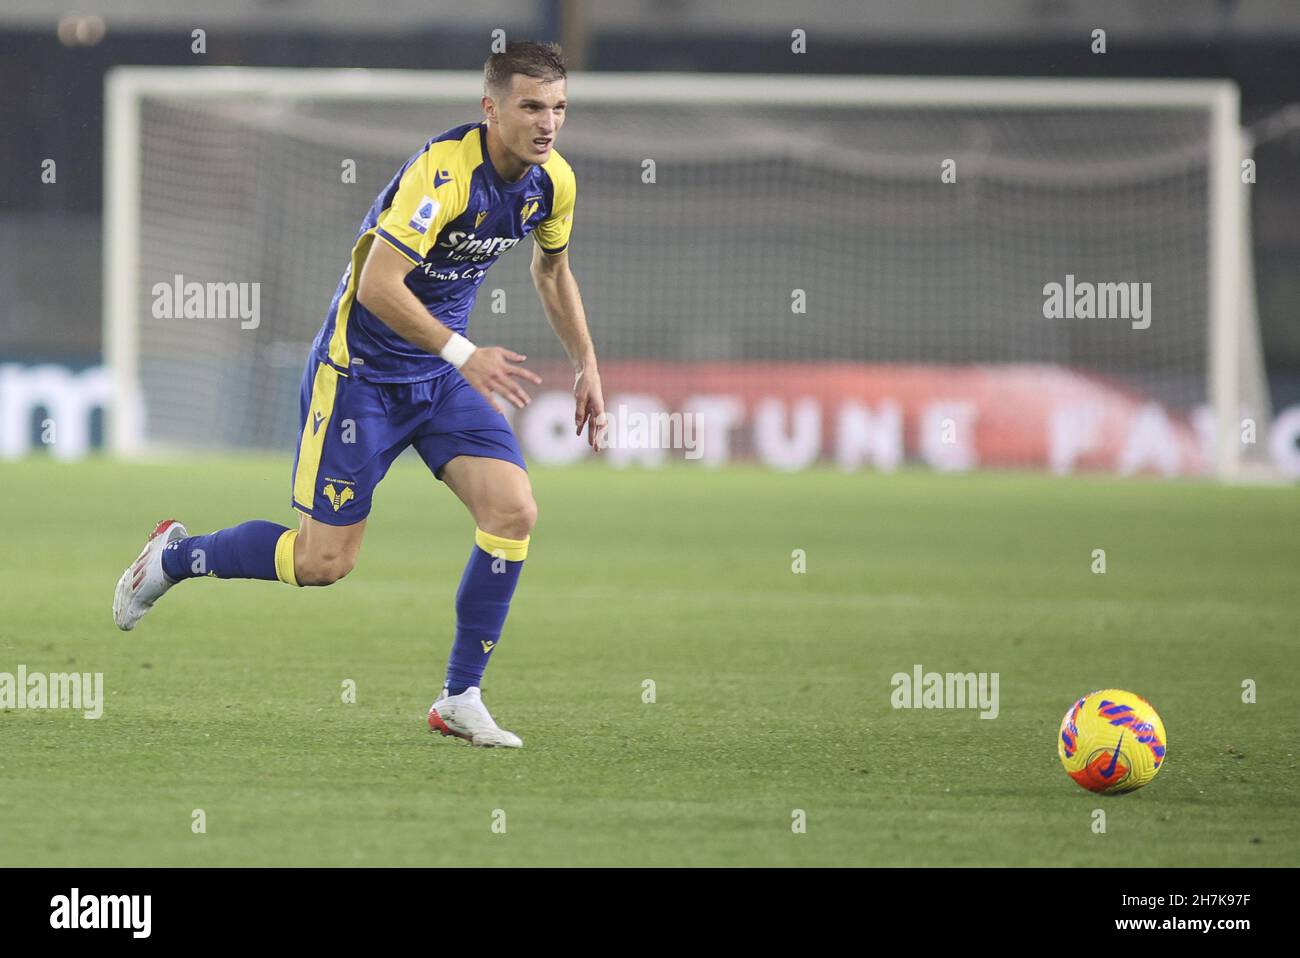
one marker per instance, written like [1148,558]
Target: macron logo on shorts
[424,215]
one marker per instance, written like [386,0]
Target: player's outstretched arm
[561,299]
[382,290]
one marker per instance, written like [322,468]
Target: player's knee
[324,568]
[513,519]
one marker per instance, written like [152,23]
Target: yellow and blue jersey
[450,213]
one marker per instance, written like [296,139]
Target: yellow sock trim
[512,550]
[284,556]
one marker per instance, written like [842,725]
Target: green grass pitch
[772,688]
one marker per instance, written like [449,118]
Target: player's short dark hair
[541,61]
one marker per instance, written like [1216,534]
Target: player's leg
[312,554]
[345,445]
[498,495]
[480,461]
[353,430]
[323,554]
[251,550]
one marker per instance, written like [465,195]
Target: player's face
[528,117]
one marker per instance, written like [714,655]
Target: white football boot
[465,716]
[144,582]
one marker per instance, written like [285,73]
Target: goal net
[869,272]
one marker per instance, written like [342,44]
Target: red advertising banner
[864,415]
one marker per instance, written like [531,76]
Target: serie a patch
[424,214]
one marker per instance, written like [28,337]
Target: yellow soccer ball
[1112,741]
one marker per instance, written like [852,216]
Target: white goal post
[316,105]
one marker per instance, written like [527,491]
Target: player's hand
[490,370]
[590,409]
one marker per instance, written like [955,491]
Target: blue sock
[482,603]
[251,550]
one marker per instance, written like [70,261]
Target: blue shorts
[352,430]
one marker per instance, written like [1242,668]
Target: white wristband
[457,350]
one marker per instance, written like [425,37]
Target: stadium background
[767,610]
[920,258]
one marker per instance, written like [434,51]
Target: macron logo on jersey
[424,215]
[441,177]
